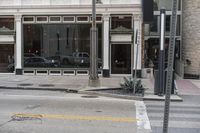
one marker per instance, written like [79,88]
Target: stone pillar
[106,69]
[17,2]
[190,36]
[18,45]
[138,31]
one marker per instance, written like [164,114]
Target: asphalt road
[184,116]
[23,111]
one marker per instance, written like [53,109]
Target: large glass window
[158,4]
[59,45]
[167,23]
[178,28]
[154,25]
[6,58]
[6,24]
[121,22]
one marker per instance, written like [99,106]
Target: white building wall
[64,2]
[69,7]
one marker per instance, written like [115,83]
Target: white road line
[176,124]
[153,114]
[143,124]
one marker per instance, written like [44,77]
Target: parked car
[76,58]
[55,59]
[29,55]
[39,62]
[79,59]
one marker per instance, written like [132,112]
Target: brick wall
[191,35]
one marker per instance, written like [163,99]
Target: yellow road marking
[71,117]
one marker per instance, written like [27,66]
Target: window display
[59,45]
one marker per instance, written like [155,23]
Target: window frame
[50,21]
[68,21]
[42,21]
[87,21]
[28,22]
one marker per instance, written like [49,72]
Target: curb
[110,95]
[33,88]
[177,99]
[92,92]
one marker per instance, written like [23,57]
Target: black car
[39,62]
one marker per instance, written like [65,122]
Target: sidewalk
[80,84]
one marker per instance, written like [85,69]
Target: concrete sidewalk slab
[69,83]
[188,87]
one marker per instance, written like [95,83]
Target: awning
[7,39]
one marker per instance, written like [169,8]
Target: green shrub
[129,83]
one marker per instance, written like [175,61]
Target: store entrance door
[120,59]
[6,58]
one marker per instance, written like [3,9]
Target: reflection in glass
[121,22]
[121,59]
[154,25]
[6,58]
[6,24]
[158,4]
[59,45]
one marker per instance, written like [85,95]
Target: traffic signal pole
[161,69]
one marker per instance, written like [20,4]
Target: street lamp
[93,79]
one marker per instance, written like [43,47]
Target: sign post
[170,66]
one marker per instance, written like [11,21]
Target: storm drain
[46,85]
[88,96]
[25,84]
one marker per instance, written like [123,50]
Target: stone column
[106,69]
[18,45]
[138,31]
[17,2]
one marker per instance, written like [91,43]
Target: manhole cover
[46,85]
[25,84]
[88,96]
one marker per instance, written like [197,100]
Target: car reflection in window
[40,62]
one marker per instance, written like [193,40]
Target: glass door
[120,59]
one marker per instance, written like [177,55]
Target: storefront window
[59,45]
[167,23]
[6,24]
[158,4]
[154,25]
[178,28]
[121,22]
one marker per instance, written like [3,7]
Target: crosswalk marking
[182,115]
[141,115]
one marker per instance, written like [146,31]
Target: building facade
[53,36]
[41,37]
[152,35]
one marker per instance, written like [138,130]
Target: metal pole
[170,66]
[136,58]
[161,69]
[93,79]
